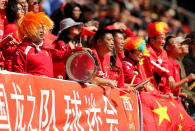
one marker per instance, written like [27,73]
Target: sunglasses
[35,3]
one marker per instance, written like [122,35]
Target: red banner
[31,102]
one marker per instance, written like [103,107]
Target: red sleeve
[58,55]
[1,59]
[19,62]
[164,86]
[121,79]
[128,73]
[129,33]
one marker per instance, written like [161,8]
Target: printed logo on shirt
[102,74]
[159,61]
[127,67]
[107,67]
[17,52]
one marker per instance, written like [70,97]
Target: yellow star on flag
[180,127]
[162,112]
[181,116]
[172,104]
[162,99]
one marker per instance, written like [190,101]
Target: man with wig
[35,56]
[157,61]
[135,49]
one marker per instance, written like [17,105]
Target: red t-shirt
[105,71]
[174,69]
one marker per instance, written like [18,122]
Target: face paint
[138,53]
[174,45]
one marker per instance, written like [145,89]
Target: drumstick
[135,74]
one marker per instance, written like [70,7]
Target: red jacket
[9,50]
[158,63]
[2,23]
[129,67]
[29,59]
[58,67]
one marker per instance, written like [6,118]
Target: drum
[81,66]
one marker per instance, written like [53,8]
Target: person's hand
[92,23]
[12,42]
[1,68]
[183,95]
[191,77]
[92,28]
[120,26]
[194,101]
[130,87]
[87,50]
[171,82]
[170,94]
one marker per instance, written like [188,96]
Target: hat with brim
[67,23]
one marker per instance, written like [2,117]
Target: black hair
[126,52]
[11,10]
[89,8]
[64,36]
[167,40]
[192,38]
[68,9]
[100,34]
[114,32]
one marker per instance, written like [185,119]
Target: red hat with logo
[157,28]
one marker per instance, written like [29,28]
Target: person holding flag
[157,61]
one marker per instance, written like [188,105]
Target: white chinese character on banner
[76,112]
[43,107]
[95,119]
[31,99]
[127,104]
[4,112]
[113,111]
[19,107]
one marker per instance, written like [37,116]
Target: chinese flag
[162,113]
[86,32]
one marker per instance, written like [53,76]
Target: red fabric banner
[30,102]
[164,114]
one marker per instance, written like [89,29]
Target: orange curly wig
[29,24]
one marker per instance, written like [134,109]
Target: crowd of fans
[141,40]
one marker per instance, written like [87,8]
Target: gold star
[181,115]
[162,112]
[172,104]
[162,99]
[180,127]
